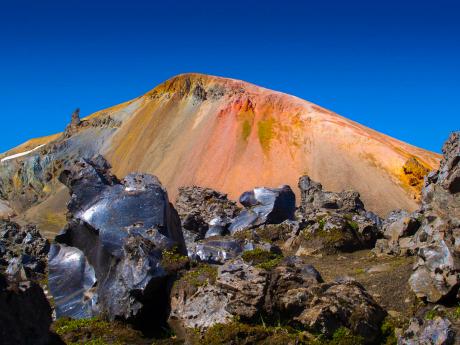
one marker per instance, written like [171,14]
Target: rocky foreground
[129,268]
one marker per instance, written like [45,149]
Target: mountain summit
[225,134]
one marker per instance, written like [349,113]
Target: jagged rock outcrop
[264,206]
[23,251]
[204,211]
[110,253]
[329,222]
[25,314]
[437,270]
[313,198]
[292,291]
[438,331]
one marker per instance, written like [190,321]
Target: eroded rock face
[264,206]
[292,291]
[117,233]
[25,314]
[437,270]
[438,331]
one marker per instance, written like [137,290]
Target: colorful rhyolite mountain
[231,135]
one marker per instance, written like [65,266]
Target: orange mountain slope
[231,136]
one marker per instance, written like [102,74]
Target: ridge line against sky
[393,66]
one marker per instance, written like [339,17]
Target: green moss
[388,332]
[66,325]
[343,336]
[237,333]
[321,224]
[360,271]
[246,130]
[262,258]
[199,276]
[95,332]
[456,313]
[352,224]
[265,133]
[431,314]
[172,261]
[329,237]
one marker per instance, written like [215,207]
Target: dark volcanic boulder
[264,206]
[25,314]
[437,271]
[111,249]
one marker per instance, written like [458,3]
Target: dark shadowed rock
[119,230]
[264,206]
[25,314]
[438,331]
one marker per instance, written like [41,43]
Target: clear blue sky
[391,65]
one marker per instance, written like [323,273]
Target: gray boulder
[438,331]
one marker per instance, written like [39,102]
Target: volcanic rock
[117,233]
[437,271]
[23,251]
[398,230]
[292,290]
[198,207]
[438,331]
[314,198]
[264,206]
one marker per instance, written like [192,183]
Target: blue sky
[391,65]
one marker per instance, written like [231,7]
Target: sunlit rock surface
[264,206]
